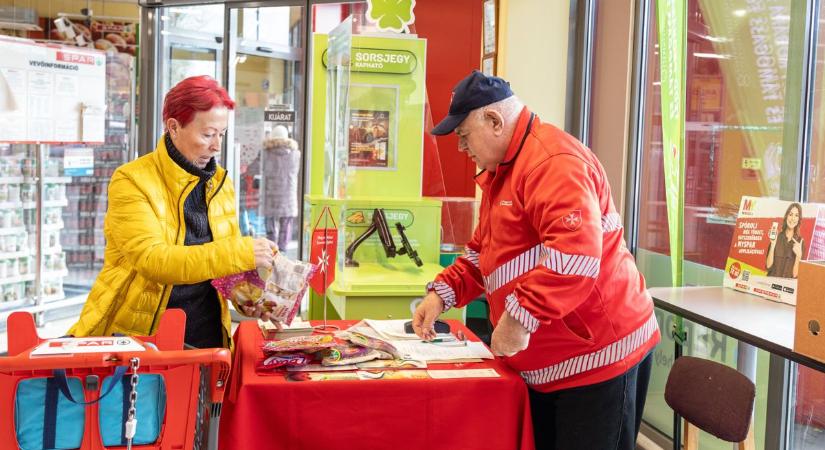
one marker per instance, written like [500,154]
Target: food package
[242,289]
[273,362]
[306,344]
[373,343]
[285,287]
[279,290]
[348,354]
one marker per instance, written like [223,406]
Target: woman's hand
[258,312]
[264,251]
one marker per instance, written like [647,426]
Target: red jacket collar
[523,125]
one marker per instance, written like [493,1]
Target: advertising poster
[372,126]
[107,35]
[368,138]
[751,43]
[770,239]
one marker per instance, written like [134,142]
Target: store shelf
[70,230]
[29,205]
[11,205]
[53,226]
[83,248]
[17,279]
[92,214]
[54,298]
[11,180]
[13,230]
[57,180]
[49,303]
[55,203]
[52,250]
[15,255]
[16,305]
[54,273]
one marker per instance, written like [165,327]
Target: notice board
[51,93]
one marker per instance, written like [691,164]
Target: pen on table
[433,341]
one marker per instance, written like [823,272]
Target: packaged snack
[307,344]
[285,287]
[348,354]
[283,360]
[279,290]
[368,342]
[242,289]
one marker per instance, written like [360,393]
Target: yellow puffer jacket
[145,255]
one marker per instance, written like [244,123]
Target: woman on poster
[785,250]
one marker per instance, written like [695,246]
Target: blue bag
[37,405]
[150,409]
[47,416]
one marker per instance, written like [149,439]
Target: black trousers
[603,416]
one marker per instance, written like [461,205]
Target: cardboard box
[809,336]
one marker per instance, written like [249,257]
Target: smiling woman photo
[786,249]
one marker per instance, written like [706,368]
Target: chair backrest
[712,396]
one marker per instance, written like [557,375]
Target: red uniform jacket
[549,249]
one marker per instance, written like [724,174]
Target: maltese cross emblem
[572,220]
[323,261]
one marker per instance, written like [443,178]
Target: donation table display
[480,405]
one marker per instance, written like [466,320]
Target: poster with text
[770,239]
[372,132]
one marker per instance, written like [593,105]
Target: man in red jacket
[570,309]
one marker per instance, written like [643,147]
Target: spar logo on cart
[91,343]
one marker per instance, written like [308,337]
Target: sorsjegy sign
[379,60]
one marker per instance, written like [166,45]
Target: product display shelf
[18,189]
[82,238]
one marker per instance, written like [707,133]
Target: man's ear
[496,119]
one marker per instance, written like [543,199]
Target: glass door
[191,42]
[266,80]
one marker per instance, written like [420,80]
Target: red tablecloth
[268,412]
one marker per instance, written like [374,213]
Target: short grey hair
[509,108]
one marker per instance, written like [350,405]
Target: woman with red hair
[171,227]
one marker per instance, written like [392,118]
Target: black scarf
[199,301]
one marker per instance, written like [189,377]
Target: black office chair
[712,397]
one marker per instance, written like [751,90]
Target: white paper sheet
[424,351]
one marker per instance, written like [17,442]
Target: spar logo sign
[76,58]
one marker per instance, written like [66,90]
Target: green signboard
[671,21]
[379,60]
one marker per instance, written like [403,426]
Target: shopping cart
[194,382]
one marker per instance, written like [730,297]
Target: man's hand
[509,337]
[425,314]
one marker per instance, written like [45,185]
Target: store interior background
[610,100]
